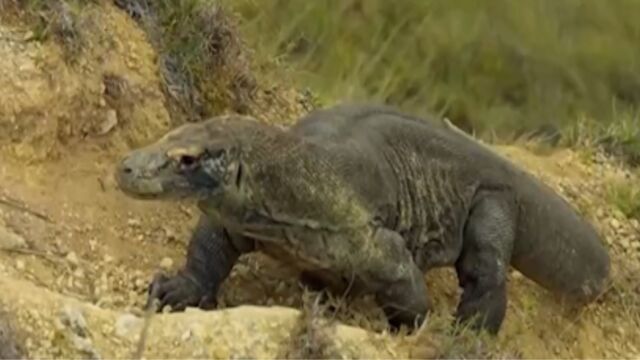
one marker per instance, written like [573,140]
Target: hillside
[84,81]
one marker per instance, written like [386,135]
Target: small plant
[202,58]
[310,340]
[57,19]
[625,195]
[620,138]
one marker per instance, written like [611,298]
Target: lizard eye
[188,161]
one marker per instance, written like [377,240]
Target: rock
[20,264]
[10,240]
[625,243]
[169,234]
[166,263]
[73,318]
[85,345]
[140,283]
[247,331]
[78,273]
[110,122]
[9,349]
[72,258]
[615,223]
[127,325]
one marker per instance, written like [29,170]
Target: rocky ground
[76,254]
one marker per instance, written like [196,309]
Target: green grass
[620,138]
[500,66]
[625,195]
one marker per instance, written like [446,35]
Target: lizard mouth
[143,189]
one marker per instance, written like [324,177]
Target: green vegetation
[58,19]
[200,53]
[567,71]
[625,195]
[510,68]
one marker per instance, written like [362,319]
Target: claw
[179,292]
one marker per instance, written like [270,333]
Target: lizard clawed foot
[179,292]
[484,310]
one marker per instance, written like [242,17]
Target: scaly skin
[369,196]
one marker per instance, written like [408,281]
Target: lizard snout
[127,168]
[138,174]
[124,167]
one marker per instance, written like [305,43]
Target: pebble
[615,223]
[11,240]
[74,319]
[140,284]
[187,335]
[20,265]
[72,258]
[86,346]
[166,263]
[126,325]
[169,234]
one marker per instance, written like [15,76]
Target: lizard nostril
[125,166]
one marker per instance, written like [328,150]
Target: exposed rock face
[62,327]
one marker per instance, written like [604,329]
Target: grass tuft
[204,62]
[625,195]
[310,340]
[53,19]
[620,138]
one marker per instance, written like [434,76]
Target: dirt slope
[70,238]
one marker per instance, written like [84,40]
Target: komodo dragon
[367,197]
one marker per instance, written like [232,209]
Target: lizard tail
[559,249]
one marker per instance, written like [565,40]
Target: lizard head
[192,161]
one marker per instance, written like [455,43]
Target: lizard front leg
[482,266]
[211,255]
[404,299]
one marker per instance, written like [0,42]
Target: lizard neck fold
[290,182]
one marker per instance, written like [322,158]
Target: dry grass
[204,62]
[57,19]
[310,340]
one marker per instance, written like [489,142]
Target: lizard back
[420,179]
